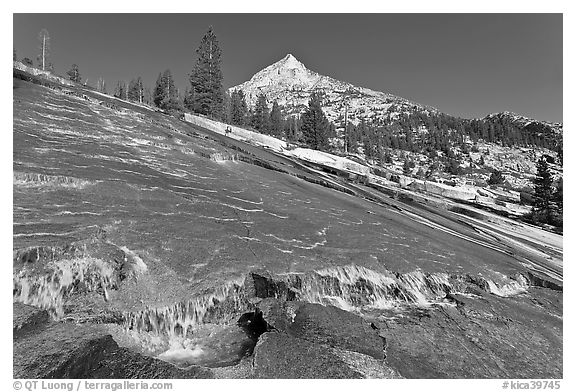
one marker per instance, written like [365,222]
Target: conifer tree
[238,108]
[74,74]
[166,95]
[136,90]
[121,91]
[159,91]
[206,94]
[407,167]
[496,178]
[227,111]
[292,128]
[315,125]
[275,120]
[260,118]
[558,202]
[542,210]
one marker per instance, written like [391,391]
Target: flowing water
[137,216]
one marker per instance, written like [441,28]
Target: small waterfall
[46,276]
[49,289]
[518,284]
[178,319]
[354,287]
[185,333]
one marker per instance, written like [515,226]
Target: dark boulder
[279,355]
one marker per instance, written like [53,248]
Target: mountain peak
[290,83]
[290,62]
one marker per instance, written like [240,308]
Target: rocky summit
[289,82]
[147,246]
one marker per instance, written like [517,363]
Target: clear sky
[466,65]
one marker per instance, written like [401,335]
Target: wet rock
[62,350]
[539,281]
[123,363]
[279,315]
[335,327]
[27,318]
[261,284]
[366,365]
[278,355]
[488,337]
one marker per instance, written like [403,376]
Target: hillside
[145,246]
[290,83]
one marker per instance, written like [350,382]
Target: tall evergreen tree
[407,167]
[260,118]
[558,202]
[165,93]
[275,120]
[315,125]
[206,92]
[148,100]
[136,90]
[159,91]
[227,112]
[238,108]
[292,128]
[74,74]
[121,91]
[542,209]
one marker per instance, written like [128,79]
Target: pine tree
[166,95]
[74,74]
[227,111]
[351,139]
[238,108]
[159,91]
[315,125]
[275,120]
[496,178]
[407,167]
[27,61]
[44,48]
[206,92]
[136,90]
[121,91]
[260,118]
[291,128]
[542,211]
[558,202]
